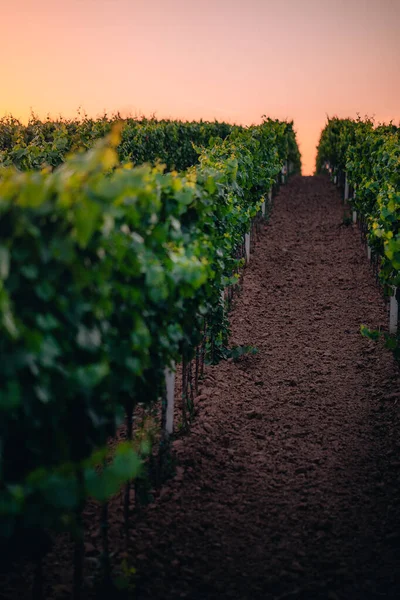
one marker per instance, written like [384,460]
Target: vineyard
[198,388]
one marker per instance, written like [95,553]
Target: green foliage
[236,352]
[370,155]
[48,143]
[107,272]
[390,341]
[102,277]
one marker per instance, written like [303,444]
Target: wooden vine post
[284,173]
[170,389]
[247,246]
[393,311]
[346,189]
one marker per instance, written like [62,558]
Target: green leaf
[127,463]
[92,375]
[45,290]
[42,393]
[87,218]
[49,351]
[29,271]
[60,492]
[103,484]
[47,322]
[370,333]
[10,397]
[89,339]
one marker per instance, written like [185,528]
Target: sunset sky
[231,60]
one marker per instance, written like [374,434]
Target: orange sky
[228,59]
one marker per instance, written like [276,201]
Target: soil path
[288,484]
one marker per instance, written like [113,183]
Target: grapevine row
[47,143]
[108,274]
[364,159]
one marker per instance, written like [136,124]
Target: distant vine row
[365,158]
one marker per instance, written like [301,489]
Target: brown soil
[288,484]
